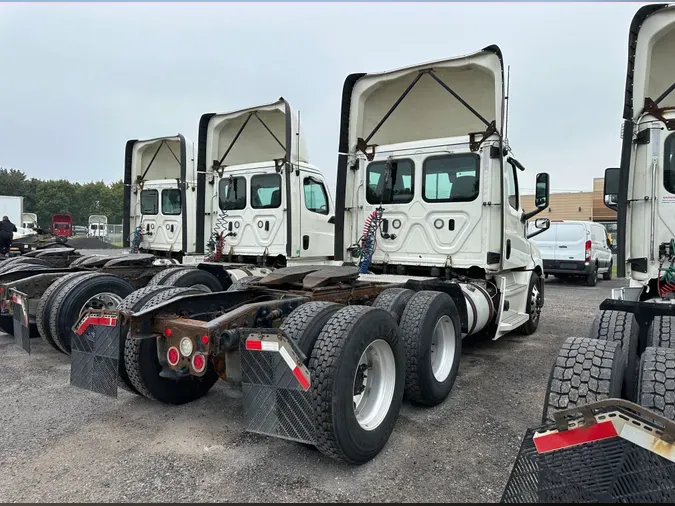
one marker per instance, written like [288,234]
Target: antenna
[507,99]
[297,156]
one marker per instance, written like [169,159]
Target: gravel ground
[63,444]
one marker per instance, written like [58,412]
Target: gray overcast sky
[78,80]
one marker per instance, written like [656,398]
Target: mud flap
[94,356]
[276,386]
[20,320]
[615,451]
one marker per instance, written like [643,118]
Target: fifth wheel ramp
[608,451]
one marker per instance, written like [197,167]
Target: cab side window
[512,187]
[669,164]
[316,198]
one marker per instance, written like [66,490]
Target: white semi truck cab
[642,190]
[262,201]
[160,178]
[98,226]
[427,185]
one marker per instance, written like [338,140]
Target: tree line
[60,196]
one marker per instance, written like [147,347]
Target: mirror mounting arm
[533,234]
[530,214]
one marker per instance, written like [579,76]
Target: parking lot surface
[58,443]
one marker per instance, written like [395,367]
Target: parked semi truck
[62,227]
[28,295]
[98,226]
[429,248]
[607,432]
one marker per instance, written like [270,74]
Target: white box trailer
[12,207]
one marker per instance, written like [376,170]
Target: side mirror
[541,196]
[610,188]
[541,225]
[331,220]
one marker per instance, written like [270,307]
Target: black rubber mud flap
[612,451]
[95,352]
[275,384]
[20,320]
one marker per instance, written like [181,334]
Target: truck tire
[350,427]
[164,274]
[585,371]
[194,278]
[533,306]
[432,339]
[394,301]
[242,283]
[656,384]
[623,328]
[305,323]
[44,307]
[607,276]
[93,290]
[592,277]
[661,332]
[21,266]
[143,367]
[134,302]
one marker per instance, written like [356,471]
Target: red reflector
[572,437]
[304,382]
[205,340]
[173,355]
[253,344]
[198,362]
[167,332]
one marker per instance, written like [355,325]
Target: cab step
[511,320]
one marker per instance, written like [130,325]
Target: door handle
[508,248]
[562,246]
[267,226]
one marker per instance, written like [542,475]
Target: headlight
[186,346]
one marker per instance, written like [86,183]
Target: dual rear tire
[363,361]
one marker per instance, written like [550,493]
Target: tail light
[198,362]
[172,356]
[588,251]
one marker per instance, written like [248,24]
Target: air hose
[217,240]
[137,239]
[367,242]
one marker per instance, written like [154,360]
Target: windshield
[232,193]
[149,202]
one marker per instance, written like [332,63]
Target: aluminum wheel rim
[443,348]
[104,300]
[374,384]
[535,307]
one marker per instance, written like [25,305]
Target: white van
[579,249]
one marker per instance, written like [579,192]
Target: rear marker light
[167,332]
[205,340]
[198,362]
[186,346]
[588,251]
[173,356]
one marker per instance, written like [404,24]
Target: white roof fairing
[255,143]
[159,158]
[654,66]
[429,111]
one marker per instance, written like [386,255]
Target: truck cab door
[316,209]
[516,249]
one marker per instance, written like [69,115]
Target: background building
[581,206]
